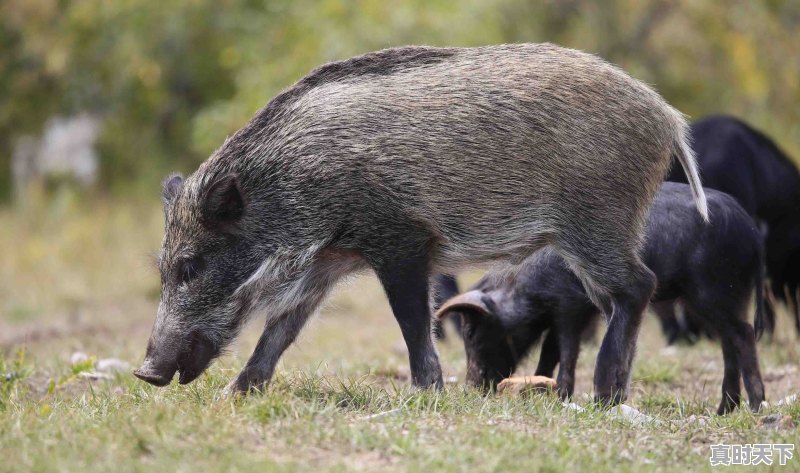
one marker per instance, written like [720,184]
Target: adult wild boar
[412,161]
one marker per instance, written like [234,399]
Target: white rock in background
[573,407]
[671,350]
[391,412]
[102,367]
[788,400]
[693,419]
[67,148]
[78,357]
[109,365]
[94,375]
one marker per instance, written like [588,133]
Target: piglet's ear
[472,301]
[222,204]
[170,188]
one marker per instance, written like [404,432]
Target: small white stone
[109,365]
[671,350]
[693,419]
[391,412]
[788,400]
[573,407]
[630,414]
[78,357]
[94,375]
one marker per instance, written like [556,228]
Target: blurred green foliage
[172,79]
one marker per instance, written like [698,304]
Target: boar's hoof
[249,380]
[526,385]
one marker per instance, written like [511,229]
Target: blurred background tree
[170,80]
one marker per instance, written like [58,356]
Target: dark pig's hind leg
[444,287]
[745,342]
[727,318]
[668,318]
[569,349]
[548,358]
[731,384]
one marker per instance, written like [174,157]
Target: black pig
[740,160]
[712,269]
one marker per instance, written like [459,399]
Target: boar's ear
[472,301]
[222,204]
[170,188]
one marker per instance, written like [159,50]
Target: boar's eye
[189,268]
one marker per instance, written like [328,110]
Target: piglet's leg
[748,363]
[731,382]
[569,348]
[548,359]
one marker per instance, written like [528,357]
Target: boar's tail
[765,315]
[683,151]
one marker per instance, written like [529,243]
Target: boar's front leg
[281,331]
[278,334]
[405,281]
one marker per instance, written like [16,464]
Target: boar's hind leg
[405,281]
[614,361]
[617,281]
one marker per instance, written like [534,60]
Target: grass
[80,279]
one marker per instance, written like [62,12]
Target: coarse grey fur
[412,161]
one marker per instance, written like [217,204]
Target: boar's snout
[189,358]
[160,360]
[155,374]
